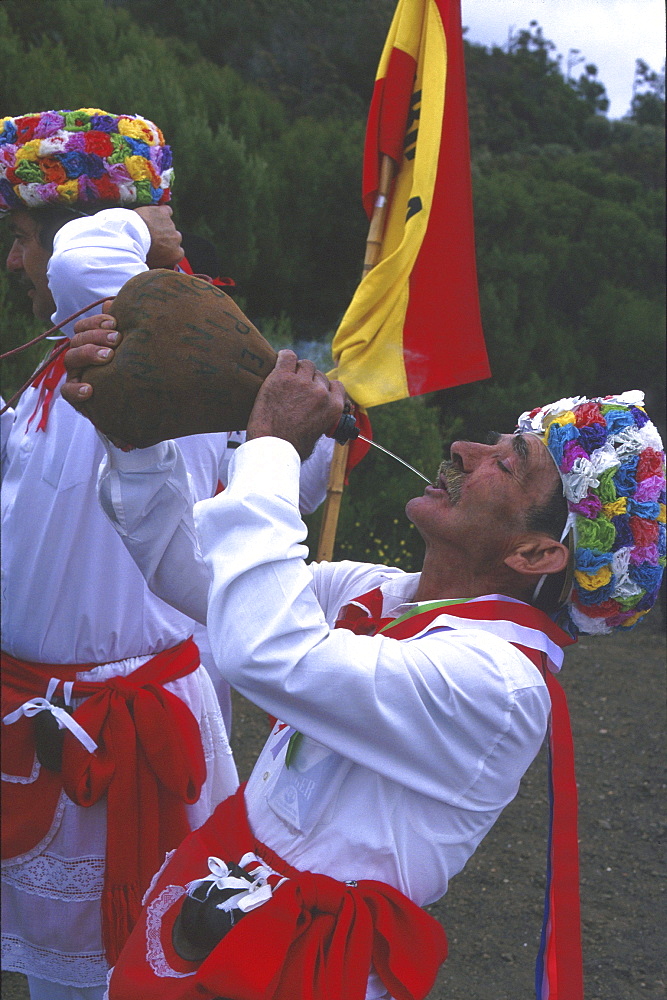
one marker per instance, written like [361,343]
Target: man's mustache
[20,280]
[451,474]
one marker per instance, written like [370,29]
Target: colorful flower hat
[612,463]
[74,157]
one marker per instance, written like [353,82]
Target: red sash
[149,763]
[559,966]
[315,940]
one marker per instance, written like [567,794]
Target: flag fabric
[413,325]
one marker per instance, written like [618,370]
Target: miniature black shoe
[200,926]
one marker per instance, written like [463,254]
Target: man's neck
[438,582]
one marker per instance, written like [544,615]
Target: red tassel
[121,906]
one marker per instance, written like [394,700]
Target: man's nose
[468,453]
[14,258]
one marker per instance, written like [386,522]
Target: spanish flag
[413,325]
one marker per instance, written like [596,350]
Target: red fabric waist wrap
[315,939]
[149,763]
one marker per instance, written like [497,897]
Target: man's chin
[42,311]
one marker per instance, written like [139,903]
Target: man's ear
[535,555]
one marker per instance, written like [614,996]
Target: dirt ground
[493,910]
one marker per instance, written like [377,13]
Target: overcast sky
[609,33]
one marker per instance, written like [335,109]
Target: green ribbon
[292,747]
[421,608]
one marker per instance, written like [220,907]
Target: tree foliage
[314,57]
[648,97]
[264,104]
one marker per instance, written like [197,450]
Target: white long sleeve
[95,256]
[148,496]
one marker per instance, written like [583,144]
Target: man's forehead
[522,442]
[535,447]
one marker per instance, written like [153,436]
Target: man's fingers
[306,368]
[337,397]
[87,348]
[337,390]
[287,361]
[99,321]
[80,357]
[75,393]
[96,338]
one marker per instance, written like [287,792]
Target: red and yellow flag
[413,325]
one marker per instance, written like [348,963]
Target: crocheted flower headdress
[611,461]
[73,157]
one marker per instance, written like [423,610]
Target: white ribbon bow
[256,893]
[65,721]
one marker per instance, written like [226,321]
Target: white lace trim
[71,880]
[213,736]
[45,963]
[19,779]
[109,975]
[154,950]
[21,859]
[167,858]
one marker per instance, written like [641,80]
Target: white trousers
[40,989]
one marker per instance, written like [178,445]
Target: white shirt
[411,749]
[70,592]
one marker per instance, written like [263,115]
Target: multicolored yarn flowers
[612,463]
[85,156]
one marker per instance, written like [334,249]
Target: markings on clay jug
[250,362]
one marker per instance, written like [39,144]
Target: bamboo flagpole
[388,168]
[336,483]
[332,503]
